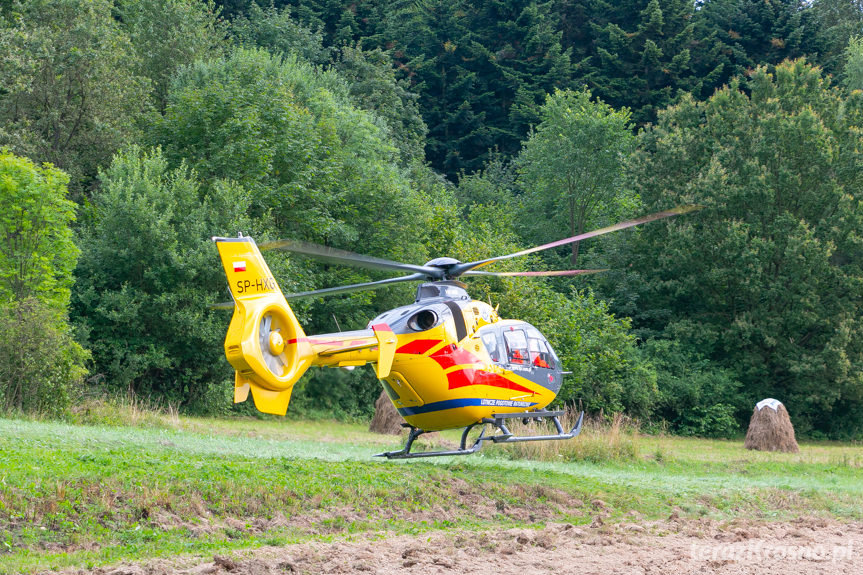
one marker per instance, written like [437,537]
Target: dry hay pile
[770,428]
[386,420]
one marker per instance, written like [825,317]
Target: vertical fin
[387,342]
[265,343]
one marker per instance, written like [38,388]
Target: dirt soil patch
[670,547]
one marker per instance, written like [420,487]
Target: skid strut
[498,423]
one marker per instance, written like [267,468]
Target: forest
[132,131]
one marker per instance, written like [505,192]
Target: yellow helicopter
[446,361]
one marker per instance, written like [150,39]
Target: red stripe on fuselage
[339,342]
[418,346]
[468,377]
[448,357]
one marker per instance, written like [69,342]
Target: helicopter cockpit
[519,346]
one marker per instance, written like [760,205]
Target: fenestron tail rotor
[272,345]
[441,268]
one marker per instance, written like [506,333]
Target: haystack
[386,420]
[770,428]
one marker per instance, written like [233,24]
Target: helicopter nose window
[516,347]
[421,321]
[540,355]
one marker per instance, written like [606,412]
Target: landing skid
[498,423]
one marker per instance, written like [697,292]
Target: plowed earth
[671,547]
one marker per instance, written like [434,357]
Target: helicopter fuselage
[445,360]
[456,362]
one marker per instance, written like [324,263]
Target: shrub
[41,367]
[695,396]
[147,273]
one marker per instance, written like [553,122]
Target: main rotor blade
[356,287]
[685,209]
[348,258]
[535,274]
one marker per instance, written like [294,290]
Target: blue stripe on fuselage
[456,403]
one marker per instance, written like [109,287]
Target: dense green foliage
[41,366]
[347,124]
[765,281]
[571,167]
[482,68]
[71,89]
[146,276]
[38,254]
[167,34]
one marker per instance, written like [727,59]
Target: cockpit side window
[489,340]
[516,347]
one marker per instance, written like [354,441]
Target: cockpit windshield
[520,345]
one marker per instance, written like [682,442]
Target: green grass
[78,496]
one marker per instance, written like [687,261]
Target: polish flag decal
[239,266]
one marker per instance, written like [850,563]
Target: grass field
[85,495]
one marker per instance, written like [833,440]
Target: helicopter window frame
[492,344]
[540,353]
[516,347]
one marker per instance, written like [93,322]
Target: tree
[147,274]
[38,252]
[71,96]
[276,31]
[318,166]
[852,77]
[571,166]
[641,54]
[764,282]
[168,34]
[375,87]
[41,366]
[836,22]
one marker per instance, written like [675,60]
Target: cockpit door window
[516,347]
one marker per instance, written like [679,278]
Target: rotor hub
[277,343]
[444,264]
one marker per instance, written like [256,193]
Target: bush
[696,397]
[41,367]
[37,254]
[147,273]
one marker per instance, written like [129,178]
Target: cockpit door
[517,352]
